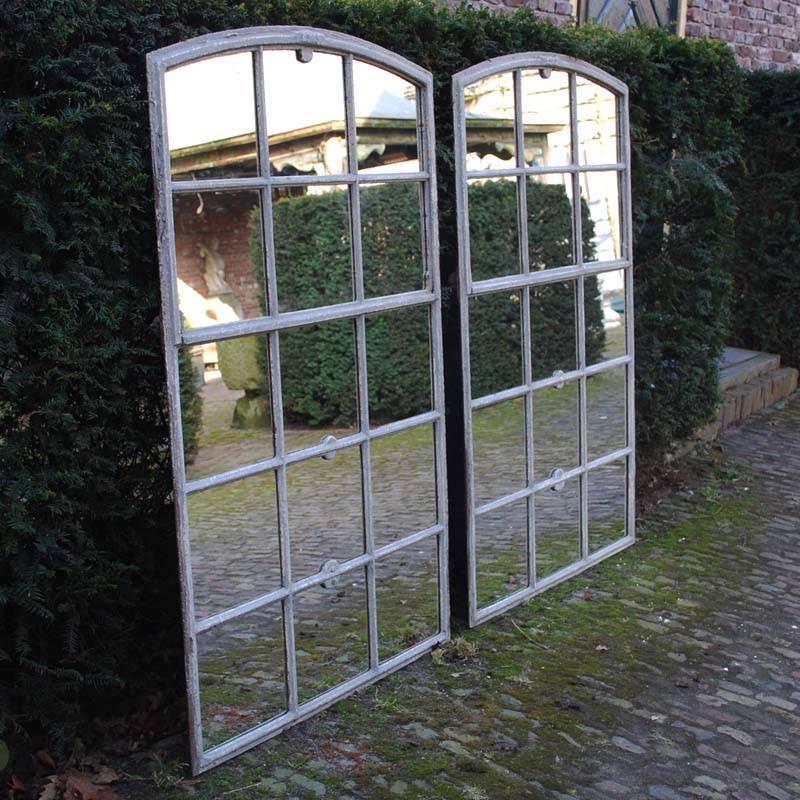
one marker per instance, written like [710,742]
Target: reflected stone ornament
[328,441]
[329,566]
[558,475]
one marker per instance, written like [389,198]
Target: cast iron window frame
[523,282]
[256,40]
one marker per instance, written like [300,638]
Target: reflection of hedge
[312,253]
[495,320]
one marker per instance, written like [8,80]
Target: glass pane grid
[576,168]
[300,586]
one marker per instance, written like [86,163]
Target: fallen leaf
[105,775]
[81,787]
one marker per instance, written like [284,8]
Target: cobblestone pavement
[670,672]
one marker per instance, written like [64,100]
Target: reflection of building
[545,115]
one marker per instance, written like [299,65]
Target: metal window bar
[255,41]
[523,283]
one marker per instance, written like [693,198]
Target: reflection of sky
[214,99]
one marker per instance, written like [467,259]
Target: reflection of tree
[313,258]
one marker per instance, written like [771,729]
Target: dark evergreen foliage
[88,597]
[765,313]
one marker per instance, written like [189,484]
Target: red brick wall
[559,12]
[764,34]
[226,219]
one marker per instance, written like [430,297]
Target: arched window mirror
[294,172]
[544,209]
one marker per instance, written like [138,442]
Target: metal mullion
[570,571]
[554,169]
[234,612]
[244,741]
[426,154]
[361,358]
[393,177]
[539,486]
[527,334]
[310,316]
[284,534]
[552,380]
[627,227]
[577,209]
[405,424]
[553,275]
[218,185]
[171,324]
[276,388]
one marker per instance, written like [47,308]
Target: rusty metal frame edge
[467,287]
[255,39]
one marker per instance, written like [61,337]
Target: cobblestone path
[670,672]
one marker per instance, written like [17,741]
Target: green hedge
[765,313]
[88,594]
[318,361]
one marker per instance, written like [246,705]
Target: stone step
[739,401]
[742,366]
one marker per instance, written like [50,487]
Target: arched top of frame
[286,36]
[538,60]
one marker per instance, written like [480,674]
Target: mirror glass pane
[318,375]
[498,450]
[211,118]
[241,666]
[501,552]
[219,255]
[493,228]
[407,588]
[553,328]
[607,490]
[495,344]
[391,238]
[226,414]
[489,110]
[597,123]
[306,136]
[605,412]
[233,538]
[326,515]
[555,429]
[386,120]
[550,227]
[558,539]
[545,115]
[330,634]
[398,364]
[313,261]
[604,312]
[403,484]
[600,199]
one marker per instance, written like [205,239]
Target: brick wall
[559,12]
[764,34]
[224,221]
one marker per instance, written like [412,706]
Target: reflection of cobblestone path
[236,556]
[235,553]
[671,672]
